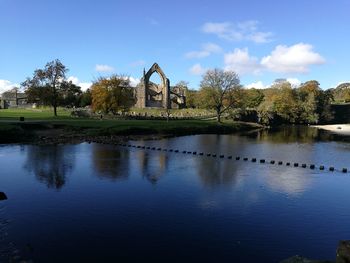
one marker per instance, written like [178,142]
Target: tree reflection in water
[152,167]
[50,163]
[297,133]
[215,172]
[110,162]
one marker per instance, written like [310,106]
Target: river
[111,203]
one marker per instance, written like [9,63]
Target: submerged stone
[3,196]
[343,251]
[299,259]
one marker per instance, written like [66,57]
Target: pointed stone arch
[150,94]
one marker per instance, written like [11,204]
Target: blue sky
[261,40]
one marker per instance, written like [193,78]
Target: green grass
[39,120]
[33,114]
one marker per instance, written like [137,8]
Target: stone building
[152,95]
[13,99]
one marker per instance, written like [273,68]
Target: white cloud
[294,82]
[84,85]
[260,37]
[293,59]
[256,85]
[260,85]
[137,63]
[73,79]
[207,50]
[103,68]
[197,69]
[6,85]
[247,30]
[241,62]
[134,81]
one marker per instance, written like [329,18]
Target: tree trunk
[218,115]
[54,101]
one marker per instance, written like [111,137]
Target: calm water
[106,203]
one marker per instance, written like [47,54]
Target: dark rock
[343,252]
[3,196]
[299,259]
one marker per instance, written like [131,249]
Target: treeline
[219,91]
[280,103]
[50,87]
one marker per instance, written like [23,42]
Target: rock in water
[343,252]
[2,196]
[299,259]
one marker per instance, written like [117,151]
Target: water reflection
[152,167]
[215,173]
[291,181]
[50,163]
[288,134]
[110,162]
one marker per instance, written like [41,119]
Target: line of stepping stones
[237,158]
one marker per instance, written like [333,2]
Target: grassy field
[47,113]
[38,114]
[41,121]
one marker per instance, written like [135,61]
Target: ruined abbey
[152,95]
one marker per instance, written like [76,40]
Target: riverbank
[80,130]
[343,129]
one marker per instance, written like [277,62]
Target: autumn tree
[217,90]
[280,100]
[285,102]
[44,87]
[112,94]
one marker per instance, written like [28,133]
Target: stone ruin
[152,95]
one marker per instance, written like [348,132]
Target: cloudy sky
[261,40]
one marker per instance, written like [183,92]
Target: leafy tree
[285,102]
[217,90]
[342,92]
[69,94]
[308,94]
[86,98]
[280,101]
[325,99]
[44,87]
[253,98]
[265,110]
[112,94]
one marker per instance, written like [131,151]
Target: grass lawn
[33,114]
[38,120]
